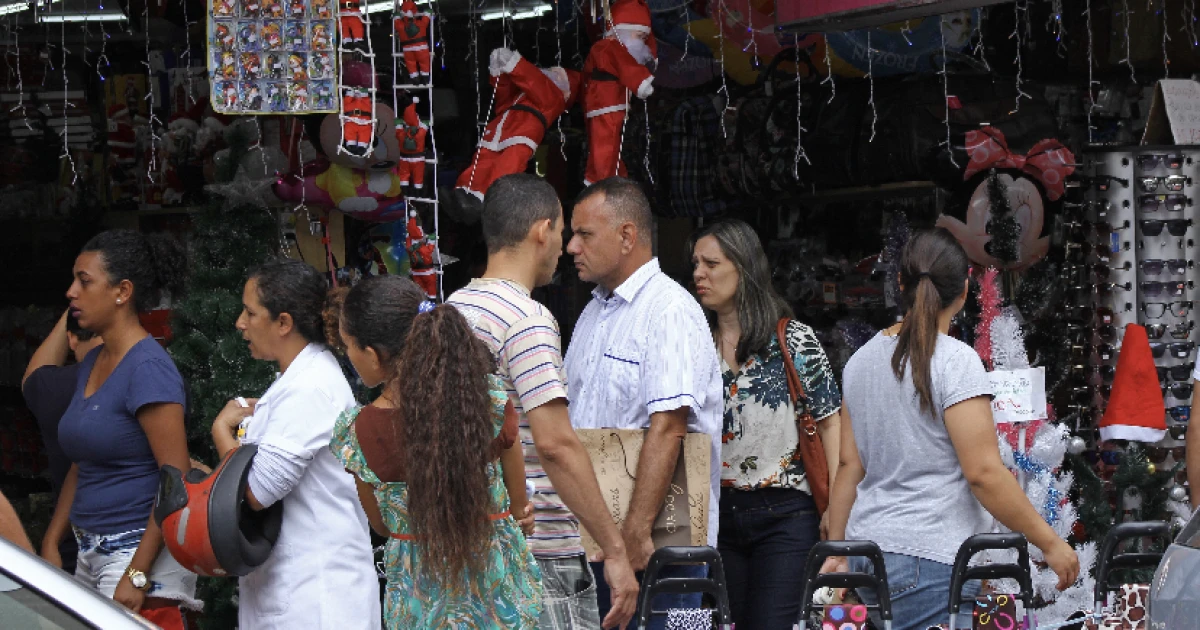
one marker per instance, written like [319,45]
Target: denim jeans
[568,595]
[764,540]
[919,589]
[662,602]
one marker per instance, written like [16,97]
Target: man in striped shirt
[522,225]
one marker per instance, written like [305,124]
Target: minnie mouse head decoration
[1005,213]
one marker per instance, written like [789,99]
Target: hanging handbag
[809,446]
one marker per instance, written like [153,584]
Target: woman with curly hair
[456,558]
[321,572]
[124,421]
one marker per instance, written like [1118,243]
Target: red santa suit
[122,140]
[412,37]
[421,254]
[528,100]
[350,20]
[611,74]
[411,133]
[357,114]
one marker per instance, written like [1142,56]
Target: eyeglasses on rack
[1174,266]
[1103,183]
[1180,330]
[1159,454]
[1155,310]
[1175,373]
[1179,349]
[1180,414]
[1170,203]
[1173,183]
[1172,161]
[1153,288]
[1175,227]
[1178,431]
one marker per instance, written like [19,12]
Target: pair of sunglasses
[1155,310]
[1178,432]
[1083,394]
[1154,227]
[1174,266]
[1151,288]
[1086,312]
[1173,183]
[1178,331]
[1176,373]
[1104,352]
[1181,391]
[1179,350]
[1180,414]
[1106,372]
[1159,454]
[1103,183]
[1170,203]
[1081,334]
[1172,161]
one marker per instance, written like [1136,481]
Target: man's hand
[639,546]
[824,528]
[623,586]
[836,564]
[128,596]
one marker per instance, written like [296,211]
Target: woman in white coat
[321,573]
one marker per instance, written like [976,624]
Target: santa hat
[1135,407]
[558,77]
[182,120]
[410,115]
[408,8]
[631,15]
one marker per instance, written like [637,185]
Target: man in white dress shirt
[641,357]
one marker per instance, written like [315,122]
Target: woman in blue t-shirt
[125,420]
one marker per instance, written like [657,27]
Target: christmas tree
[228,239]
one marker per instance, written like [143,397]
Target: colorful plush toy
[412,36]
[616,68]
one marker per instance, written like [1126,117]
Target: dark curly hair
[377,313]
[295,288]
[445,414]
[155,264]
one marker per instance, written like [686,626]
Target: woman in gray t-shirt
[920,470]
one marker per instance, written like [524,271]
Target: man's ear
[629,236]
[541,231]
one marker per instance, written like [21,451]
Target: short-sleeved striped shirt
[524,338]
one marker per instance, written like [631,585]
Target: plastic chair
[814,579]
[713,585]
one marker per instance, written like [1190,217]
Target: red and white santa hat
[631,15]
[408,8]
[1135,407]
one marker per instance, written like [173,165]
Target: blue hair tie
[425,307]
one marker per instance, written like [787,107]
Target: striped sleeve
[532,352]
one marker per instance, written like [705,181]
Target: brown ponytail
[445,412]
[933,272]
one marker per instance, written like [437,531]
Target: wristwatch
[137,579]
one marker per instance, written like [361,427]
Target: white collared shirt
[321,572]
[642,349]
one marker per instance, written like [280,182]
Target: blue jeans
[919,589]
[662,602]
[764,541]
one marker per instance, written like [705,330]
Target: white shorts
[103,559]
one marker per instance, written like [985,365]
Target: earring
[118,300]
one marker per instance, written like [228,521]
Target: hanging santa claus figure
[528,100]
[357,115]
[412,37]
[616,69]
[411,133]
[422,253]
[350,19]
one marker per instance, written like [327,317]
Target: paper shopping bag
[683,518]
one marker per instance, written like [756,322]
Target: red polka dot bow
[1048,161]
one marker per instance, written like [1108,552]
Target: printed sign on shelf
[1174,113]
[1018,395]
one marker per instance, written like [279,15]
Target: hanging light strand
[103,58]
[153,117]
[1128,42]
[871,87]
[66,146]
[562,137]
[724,91]
[946,92]
[1091,70]
[1019,11]
[800,153]
[185,55]
[980,51]
[1165,38]
[829,72]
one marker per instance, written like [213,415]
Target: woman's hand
[129,596]
[1064,562]
[233,414]
[526,521]
[836,564]
[50,554]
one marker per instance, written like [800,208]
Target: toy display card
[272,56]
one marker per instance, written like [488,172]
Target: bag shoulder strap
[795,387]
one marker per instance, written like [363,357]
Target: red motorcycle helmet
[207,524]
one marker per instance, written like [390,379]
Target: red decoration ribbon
[1048,161]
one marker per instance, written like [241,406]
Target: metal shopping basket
[814,579]
[713,585]
[1128,612]
[1002,606]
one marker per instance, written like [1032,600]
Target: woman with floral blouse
[768,518]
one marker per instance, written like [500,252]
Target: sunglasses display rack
[1144,200]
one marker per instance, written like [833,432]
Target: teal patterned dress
[507,594]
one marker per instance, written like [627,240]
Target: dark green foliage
[1004,228]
